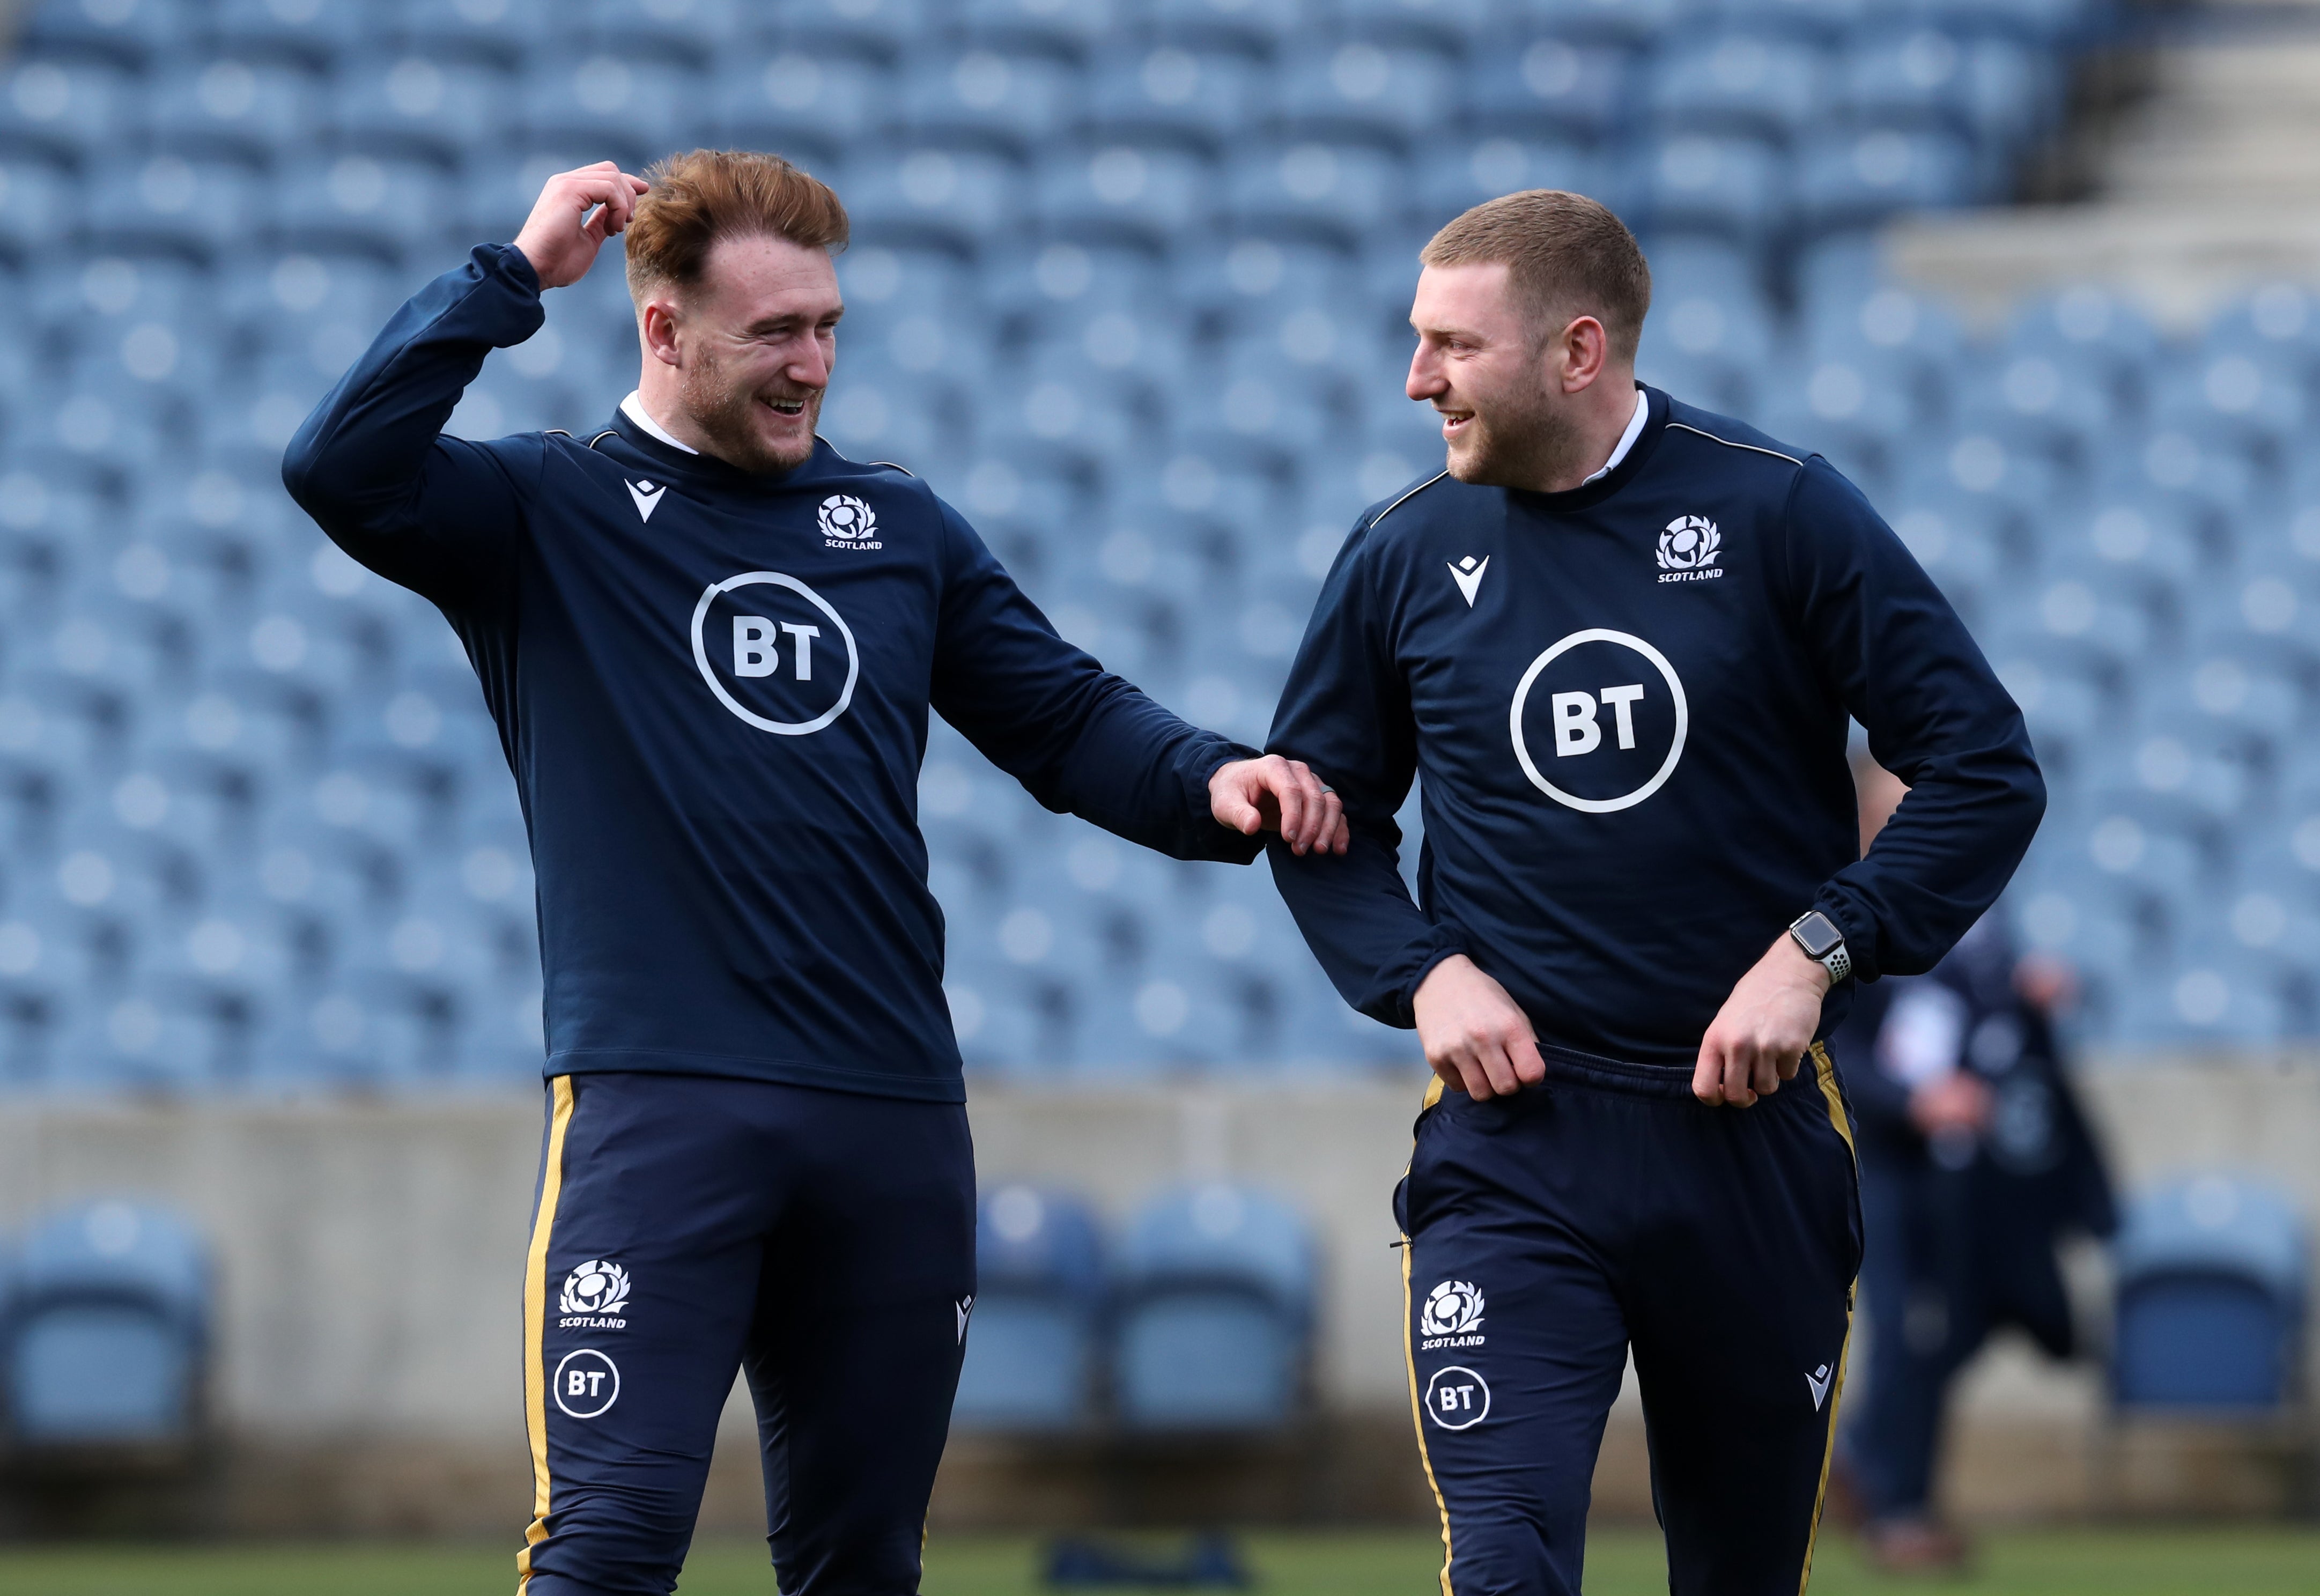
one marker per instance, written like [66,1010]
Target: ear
[1583,351]
[659,322]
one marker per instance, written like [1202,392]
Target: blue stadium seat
[1216,1285]
[2278,321]
[634,110]
[355,204]
[692,32]
[131,34]
[1356,90]
[2212,1283]
[2093,327]
[1857,180]
[66,110]
[1144,197]
[1448,26]
[2043,404]
[1523,84]
[499,32]
[1068,29]
[1014,104]
[245,111]
[310,33]
[107,1330]
[1731,188]
[1334,194]
[1813,21]
[1033,1353]
[1203,98]
[925,197]
[165,203]
[1255,27]
[38,205]
[807,107]
[1762,87]
[1453,175]
[1635,24]
[2235,402]
[398,105]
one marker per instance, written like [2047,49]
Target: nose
[1425,380]
[810,366]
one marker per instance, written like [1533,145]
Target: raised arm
[1084,742]
[372,466]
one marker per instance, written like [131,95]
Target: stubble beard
[1521,441]
[727,414]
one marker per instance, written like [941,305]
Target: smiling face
[1508,390]
[750,345]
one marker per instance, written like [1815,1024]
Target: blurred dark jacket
[1981,1211]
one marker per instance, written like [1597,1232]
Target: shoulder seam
[1412,493]
[1726,442]
[599,437]
[891,466]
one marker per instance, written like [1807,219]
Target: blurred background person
[1975,1162]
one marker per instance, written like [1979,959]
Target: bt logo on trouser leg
[1457,1398]
[1598,721]
[586,1383]
[774,652]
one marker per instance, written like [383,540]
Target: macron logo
[1819,1381]
[1468,575]
[647,497]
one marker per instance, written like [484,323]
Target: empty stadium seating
[104,1334]
[2212,1286]
[1128,284]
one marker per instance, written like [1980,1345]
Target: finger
[1790,1065]
[1312,807]
[1736,1090]
[1530,1069]
[1301,804]
[1447,1073]
[1765,1075]
[1477,1082]
[1336,835]
[1282,783]
[1500,1069]
[1708,1073]
[1240,814]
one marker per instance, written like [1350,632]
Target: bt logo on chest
[793,661]
[1613,725]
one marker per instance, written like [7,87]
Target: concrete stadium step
[2210,186]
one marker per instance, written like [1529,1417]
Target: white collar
[1627,438]
[633,407]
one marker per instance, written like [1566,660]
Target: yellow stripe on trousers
[1825,1077]
[1418,1415]
[535,1325]
[1410,1360]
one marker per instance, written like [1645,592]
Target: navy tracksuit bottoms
[1550,1232]
[689,1226]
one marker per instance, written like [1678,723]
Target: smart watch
[1823,943]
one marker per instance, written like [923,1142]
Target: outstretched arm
[1084,742]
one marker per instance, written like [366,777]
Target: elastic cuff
[1859,932]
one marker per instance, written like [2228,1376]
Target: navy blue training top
[1628,707]
[713,687]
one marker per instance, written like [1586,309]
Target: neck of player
[1606,416]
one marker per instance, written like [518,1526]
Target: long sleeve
[438,515]
[1081,740]
[1346,713]
[1887,644]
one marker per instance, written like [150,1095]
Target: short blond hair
[704,196]
[1566,256]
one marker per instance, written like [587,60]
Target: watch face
[1818,934]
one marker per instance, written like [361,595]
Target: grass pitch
[2204,1562]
